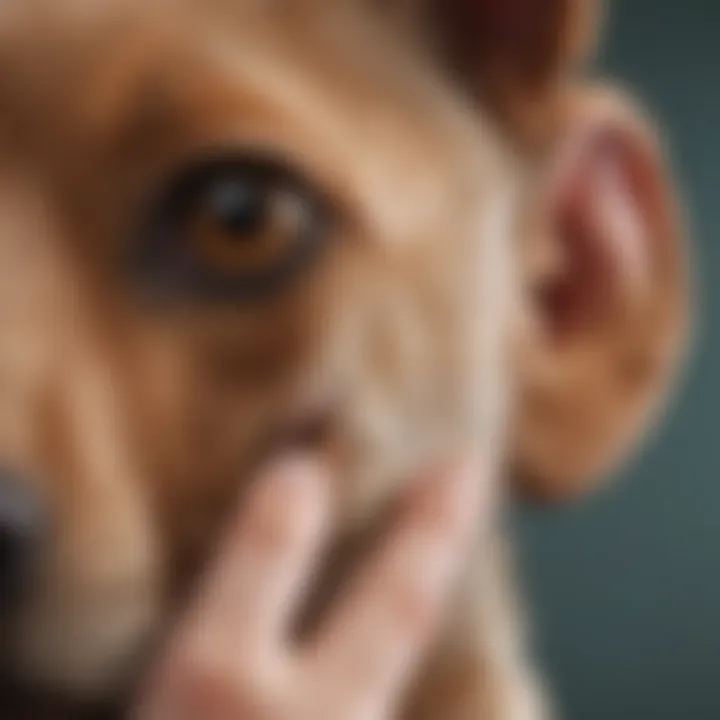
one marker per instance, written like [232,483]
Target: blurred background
[625,589]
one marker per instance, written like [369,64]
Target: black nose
[21,526]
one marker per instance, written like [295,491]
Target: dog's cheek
[60,426]
[100,588]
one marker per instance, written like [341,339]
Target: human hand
[233,657]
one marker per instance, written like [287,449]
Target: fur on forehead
[300,82]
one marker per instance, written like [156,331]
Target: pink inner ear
[602,222]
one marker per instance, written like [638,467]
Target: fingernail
[296,469]
[466,482]
[291,498]
[450,497]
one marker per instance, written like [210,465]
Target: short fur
[438,131]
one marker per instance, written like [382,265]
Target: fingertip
[454,496]
[290,500]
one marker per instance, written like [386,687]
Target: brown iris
[231,229]
[241,227]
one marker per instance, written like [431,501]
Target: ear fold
[514,54]
[610,305]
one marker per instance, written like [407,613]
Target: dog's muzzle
[22,526]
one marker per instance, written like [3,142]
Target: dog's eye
[239,225]
[231,230]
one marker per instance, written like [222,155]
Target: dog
[388,230]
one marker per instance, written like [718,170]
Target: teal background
[625,588]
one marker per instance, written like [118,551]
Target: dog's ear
[609,304]
[512,54]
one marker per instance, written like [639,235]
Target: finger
[265,560]
[373,641]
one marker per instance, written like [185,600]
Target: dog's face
[227,225]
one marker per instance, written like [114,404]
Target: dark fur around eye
[236,196]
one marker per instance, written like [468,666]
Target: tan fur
[140,424]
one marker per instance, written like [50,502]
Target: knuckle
[414,601]
[414,609]
[201,675]
[209,680]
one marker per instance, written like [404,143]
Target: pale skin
[232,658]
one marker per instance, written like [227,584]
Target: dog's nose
[21,527]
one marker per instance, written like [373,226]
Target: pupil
[238,208]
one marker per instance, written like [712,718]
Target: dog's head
[225,224]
